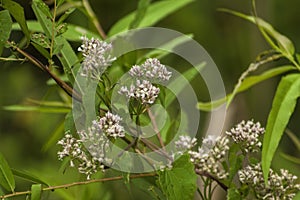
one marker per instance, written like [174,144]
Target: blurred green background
[232,43]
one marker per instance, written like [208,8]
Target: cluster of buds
[247,135]
[91,150]
[97,57]
[143,89]
[279,185]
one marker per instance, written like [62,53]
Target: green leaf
[291,158]
[140,13]
[283,106]
[41,39]
[54,137]
[36,192]
[28,176]
[154,13]
[7,180]
[42,13]
[294,138]
[284,44]
[246,84]
[233,194]
[180,83]
[180,182]
[46,109]
[73,33]
[66,15]
[42,51]
[17,11]
[5,28]
[235,161]
[64,52]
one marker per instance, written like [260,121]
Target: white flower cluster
[152,70]
[96,57]
[143,89]
[92,149]
[247,135]
[280,186]
[209,157]
[185,143]
[110,125]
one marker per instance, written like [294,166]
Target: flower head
[152,70]
[279,186]
[210,156]
[185,143]
[143,91]
[96,57]
[247,134]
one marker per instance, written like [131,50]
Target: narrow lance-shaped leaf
[284,43]
[5,28]
[7,180]
[17,11]
[154,13]
[282,108]
[28,176]
[247,83]
[140,13]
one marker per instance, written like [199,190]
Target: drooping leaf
[154,13]
[7,180]
[28,176]
[180,181]
[283,106]
[247,83]
[140,13]
[36,192]
[291,158]
[43,14]
[5,28]
[294,138]
[54,137]
[46,109]
[42,51]
[283,43]
[17,11]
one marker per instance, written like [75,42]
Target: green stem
[53,33]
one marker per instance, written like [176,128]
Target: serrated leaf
[283,106]
[28,176]
[180,182]
[36,192]
[5,28]
[17,11]
[45,109]
[73,33]
[7,180]
[154,13]
[247,83]
[284,43]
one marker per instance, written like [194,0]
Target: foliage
[108,98]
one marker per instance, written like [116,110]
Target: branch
[52,188]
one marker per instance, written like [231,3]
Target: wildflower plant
[136,120]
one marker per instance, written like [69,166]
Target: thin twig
[13,59]
[94,19]
[203,173]
[155,127]
[36,62]
[52,188]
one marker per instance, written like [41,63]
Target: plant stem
[202,173]
[93,17]
[155,127]
[37,63]
[13,59]
[53,33]
[52,188]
